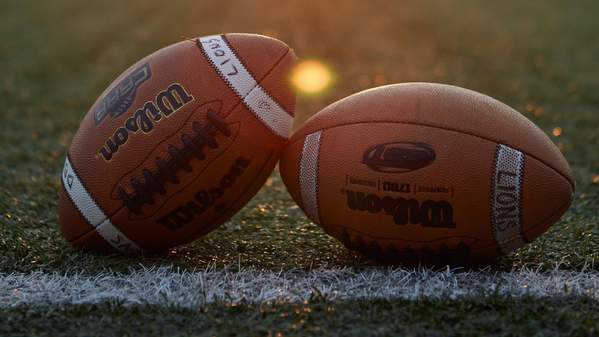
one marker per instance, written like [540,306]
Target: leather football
[177,144]
[423,172]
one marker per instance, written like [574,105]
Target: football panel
[195,75]
[226,61]
[160,152]
[444,202]
[278,84]
[192,206]
[241,200]
[77,195]
[72,223]
[258,53]
[196,78]
[289,166]
[442,106]
[94,242]
[546,196]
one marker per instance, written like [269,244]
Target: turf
[53,73]
[318,317]
[538,56]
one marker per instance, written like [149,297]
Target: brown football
[423,172]
[177,144]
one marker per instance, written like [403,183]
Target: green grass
[490,317]
[538,56]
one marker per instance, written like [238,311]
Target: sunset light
[311,77]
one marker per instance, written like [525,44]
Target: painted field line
[168,287]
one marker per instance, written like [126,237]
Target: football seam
[572,187]
[258,81]
[234,51]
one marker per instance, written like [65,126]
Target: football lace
[193,147]
[409,256]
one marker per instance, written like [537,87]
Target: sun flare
[311,77]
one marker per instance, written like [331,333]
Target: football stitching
[166,170]
[144,200]
[109,216]
[407,254]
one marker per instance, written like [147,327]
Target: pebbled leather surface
[463,128]
[267,59]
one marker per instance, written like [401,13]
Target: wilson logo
[119,99]
[166,103]
[398,157]
[404,211]
[204,199]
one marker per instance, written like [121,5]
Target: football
[177,144]
[427,173]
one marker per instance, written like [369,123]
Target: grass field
[540,57]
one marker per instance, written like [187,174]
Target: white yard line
[168,286]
